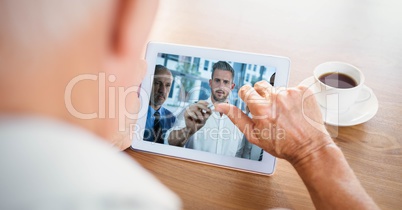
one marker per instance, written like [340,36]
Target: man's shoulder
[71,150]
[167,113]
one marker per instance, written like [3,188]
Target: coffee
[338,80]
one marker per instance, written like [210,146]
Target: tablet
[179,77]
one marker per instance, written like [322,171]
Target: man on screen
[159,119]
[201,129]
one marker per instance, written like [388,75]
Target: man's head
[161,86]
[78,61]
[221,81]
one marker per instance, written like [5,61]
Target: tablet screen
[177,116]
[181,81]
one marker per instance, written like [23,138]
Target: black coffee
[338,80]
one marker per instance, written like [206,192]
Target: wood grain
[366,34]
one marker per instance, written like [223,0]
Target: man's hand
[287,123]
[196,116]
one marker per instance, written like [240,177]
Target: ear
[233,86]
[130,28]
[134,21]
[210,83]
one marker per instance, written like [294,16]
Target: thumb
[241,120]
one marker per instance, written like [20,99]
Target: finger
[256,104]
[200,106]
[191,115]
[243,90]
[263,88]
[208,111]
[203,102]
[241,120]
[207,115]
[249,95]
[199,115]
[305,91]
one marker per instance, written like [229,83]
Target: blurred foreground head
[75,60]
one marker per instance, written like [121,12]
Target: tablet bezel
[282,64]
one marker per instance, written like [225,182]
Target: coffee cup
[339,85]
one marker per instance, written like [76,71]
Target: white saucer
[358,113]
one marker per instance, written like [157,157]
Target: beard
[219,99]
[158,100]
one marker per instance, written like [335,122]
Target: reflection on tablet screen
[181,111]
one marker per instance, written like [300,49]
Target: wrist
[330,180]
[310,148]
[327,155]
[185,135]
[189,131]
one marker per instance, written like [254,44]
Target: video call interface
[179,82]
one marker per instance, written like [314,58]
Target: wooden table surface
[367,34]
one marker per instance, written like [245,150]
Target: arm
[304,142]
[331,182]
[179,137]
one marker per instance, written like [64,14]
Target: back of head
[34,25]
[58,56]
[54,55]
[43,49]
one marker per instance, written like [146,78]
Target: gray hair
[160,68]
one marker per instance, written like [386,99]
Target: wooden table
[367,34]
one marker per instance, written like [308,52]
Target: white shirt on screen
[219,135]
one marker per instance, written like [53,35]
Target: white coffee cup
[336,98]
